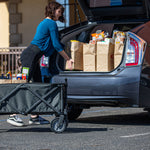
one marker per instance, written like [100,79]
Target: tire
[55,128]
[74,111]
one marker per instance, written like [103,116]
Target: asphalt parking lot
[98,128]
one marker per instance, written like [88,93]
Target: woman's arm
[69,61]
[57,45]
[64,55]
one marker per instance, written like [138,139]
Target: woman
[45,42]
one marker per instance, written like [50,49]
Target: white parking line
[135,135]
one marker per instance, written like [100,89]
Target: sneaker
[15,120]
[38,120]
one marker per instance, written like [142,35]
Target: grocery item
[9,75]
[89,57]
[118,52]
[25,73]
[44,61]
[98,36]
[119,36]
[19,76]
[24,76]
[76,53]
[101,54]
[105,52]
[14,77]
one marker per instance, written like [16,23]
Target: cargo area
[95,47]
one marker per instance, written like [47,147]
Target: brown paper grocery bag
[117,60]
[89,57]
[76,53]
[105,53]
[119,47]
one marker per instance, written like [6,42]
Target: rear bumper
[120,87]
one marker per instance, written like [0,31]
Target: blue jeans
[46,75]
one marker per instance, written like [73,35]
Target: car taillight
[135,47]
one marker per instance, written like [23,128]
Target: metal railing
[10,60]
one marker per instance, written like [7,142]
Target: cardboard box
[89,57]
[6,81]
[105,53]
[118,52]
[99,3]
[76,53]
[105,3]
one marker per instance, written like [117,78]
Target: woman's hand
[69,64]
[69,61]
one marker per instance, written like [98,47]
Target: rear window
[111,3]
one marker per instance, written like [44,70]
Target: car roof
[97,10]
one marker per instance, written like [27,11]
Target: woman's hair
[51,8]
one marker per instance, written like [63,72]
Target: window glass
[61,25]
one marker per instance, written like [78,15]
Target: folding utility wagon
[36,98]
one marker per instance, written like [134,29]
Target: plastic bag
[44,61]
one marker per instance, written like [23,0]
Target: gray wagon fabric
[20,98]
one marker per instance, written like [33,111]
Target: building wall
[4,24]
[15,18]
[32,14]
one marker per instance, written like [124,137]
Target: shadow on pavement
[81,130]
[123,119]
[68,130]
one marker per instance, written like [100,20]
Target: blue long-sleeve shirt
[47,37]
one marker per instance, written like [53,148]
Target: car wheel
[74,111]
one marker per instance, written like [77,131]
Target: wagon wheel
[57,127]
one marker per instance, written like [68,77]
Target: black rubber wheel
[55,126]
[74,111]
